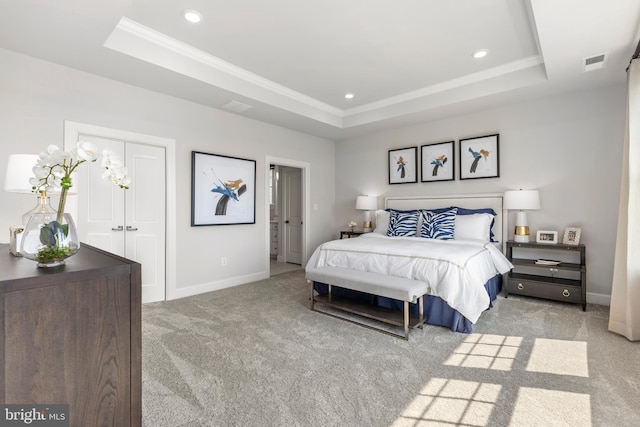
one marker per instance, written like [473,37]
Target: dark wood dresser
[565,281]
[72,335]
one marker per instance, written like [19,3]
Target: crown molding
[144,43]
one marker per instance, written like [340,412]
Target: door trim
[71,132]
[306,211]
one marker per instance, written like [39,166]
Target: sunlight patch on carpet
[451,401]
[559,357]
[551,408]
[486,351]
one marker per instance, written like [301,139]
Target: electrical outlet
[223,261]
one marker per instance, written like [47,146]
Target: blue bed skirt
[436,311]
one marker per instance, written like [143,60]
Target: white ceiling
[406,61]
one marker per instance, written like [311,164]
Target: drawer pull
[520,286]
[566,293]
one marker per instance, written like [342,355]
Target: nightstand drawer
[552,291]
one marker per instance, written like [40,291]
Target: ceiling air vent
[595,62]
[236,106]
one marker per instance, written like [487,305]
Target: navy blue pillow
[465,211]
[402,223]
[438,224]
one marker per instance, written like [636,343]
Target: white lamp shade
[366,203]
[19,171]
[521,200]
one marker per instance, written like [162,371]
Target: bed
[453,244]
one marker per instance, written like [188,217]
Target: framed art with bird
[479,157]
[223,190]
[437,162]
[403,164]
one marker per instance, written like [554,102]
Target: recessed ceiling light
[349,95]
[192,16]
[480,53]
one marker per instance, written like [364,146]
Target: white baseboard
[216,286]
[599,299]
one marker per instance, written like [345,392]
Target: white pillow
[473,227]
[382,222]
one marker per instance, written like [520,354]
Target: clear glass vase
[49,238]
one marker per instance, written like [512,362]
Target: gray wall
[37,96]
[568,147]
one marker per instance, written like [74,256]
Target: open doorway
[287,216]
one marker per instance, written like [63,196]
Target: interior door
[129,223]
[293,215]
[144,227]
[101,210]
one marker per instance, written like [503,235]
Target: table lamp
[522,201]
[19,171]
[367,204]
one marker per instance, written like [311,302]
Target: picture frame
[480,157]
[547,237]
[223,190]
[571,236]
[403,165]
[437,162]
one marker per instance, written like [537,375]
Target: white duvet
[455,270]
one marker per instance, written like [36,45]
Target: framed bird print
[437,162]
[403,167]
[480,157]
[223,190]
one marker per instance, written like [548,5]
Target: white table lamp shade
[521,200]
[19,171]
[366,203]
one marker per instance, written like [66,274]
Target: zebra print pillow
[403,223]
[438,224]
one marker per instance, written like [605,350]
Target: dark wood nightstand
[566,281]
[349,234]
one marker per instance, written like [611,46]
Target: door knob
[118,228]
[129,228]
[286,222]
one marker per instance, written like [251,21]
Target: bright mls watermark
[34,415]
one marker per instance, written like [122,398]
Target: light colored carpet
[255,355]
[282,267]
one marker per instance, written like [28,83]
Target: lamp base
[15,239]
[521,234]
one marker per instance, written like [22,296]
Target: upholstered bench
[398,288]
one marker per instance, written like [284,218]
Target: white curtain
[624,315]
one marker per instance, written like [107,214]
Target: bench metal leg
[406,320]
[312,296]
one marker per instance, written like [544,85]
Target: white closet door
[145,216]
[101,211]
[129,223]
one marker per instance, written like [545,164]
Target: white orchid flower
[53,182]
[40,171]
[61,157]
[121,182]
[54,169]
[87,151]
[110,159]
[58,170]
[118,176]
